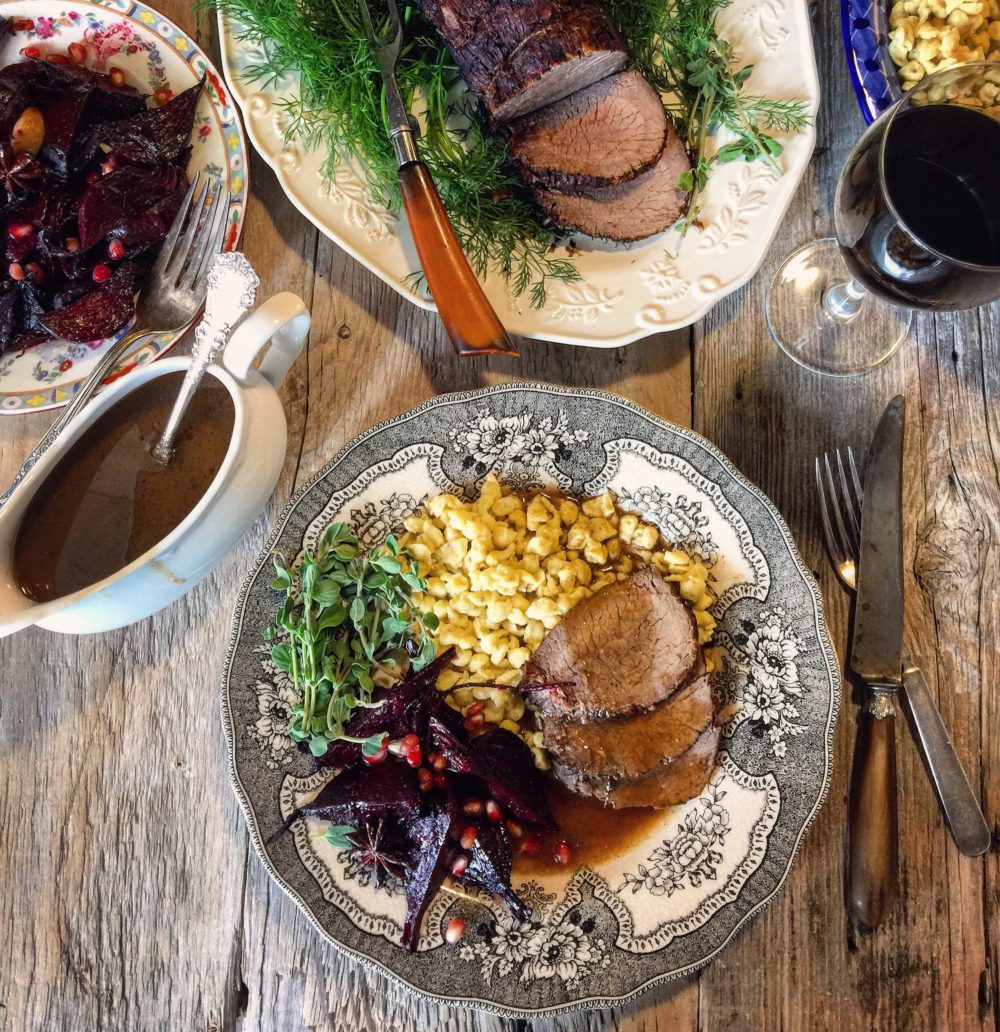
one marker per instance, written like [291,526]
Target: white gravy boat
[233,501]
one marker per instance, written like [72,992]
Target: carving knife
[876,657]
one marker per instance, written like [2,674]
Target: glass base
[826,337]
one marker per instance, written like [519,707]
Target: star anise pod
[373,852]
[17,171]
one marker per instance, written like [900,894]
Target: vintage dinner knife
[876,657]
[465,311]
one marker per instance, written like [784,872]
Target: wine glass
[917,217]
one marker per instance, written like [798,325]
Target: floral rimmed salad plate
[672,900]
[159,60]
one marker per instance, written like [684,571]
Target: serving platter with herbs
[740,82]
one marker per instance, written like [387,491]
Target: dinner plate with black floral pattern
[676,897]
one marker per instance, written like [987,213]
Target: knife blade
[876,656]
[877,645]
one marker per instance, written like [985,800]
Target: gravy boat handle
[284,321]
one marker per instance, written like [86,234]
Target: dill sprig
[678,48]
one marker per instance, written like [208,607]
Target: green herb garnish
[677,47]
[345,620]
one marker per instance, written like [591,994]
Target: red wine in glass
[918,207]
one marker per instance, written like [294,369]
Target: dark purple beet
[8,304]
[364,793]
[100,313]
[449,740]
[432,850]
[153,225]
[29,339]
[73,289]
[62,125]
[490,864]
[12,103]
[46,83]
[120,196]
[505,763]
[156,134]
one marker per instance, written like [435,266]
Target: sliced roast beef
[519,55]
[600,136]
[669,784]
[624,649]
[648,204]
[632,747]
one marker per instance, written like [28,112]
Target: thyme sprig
[345,619]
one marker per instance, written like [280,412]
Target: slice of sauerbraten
[629,715]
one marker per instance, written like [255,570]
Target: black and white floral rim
[672,902]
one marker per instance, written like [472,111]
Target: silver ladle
[232,290]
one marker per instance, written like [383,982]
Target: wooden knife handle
[872,832]
[463,307]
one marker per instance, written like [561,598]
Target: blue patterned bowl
[865,24]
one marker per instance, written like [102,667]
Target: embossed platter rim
[626,293]
[711,865]
[155,54]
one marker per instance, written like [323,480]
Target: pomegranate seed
[440,781]
[475,722]
[472,807]
[468,839]
[410,742]
[34,272]
[514,829]
[20,230]
[57,59]
[92,177]
[439,762]
[475,707]
[425,779]
[117,76]
[30,52]
[531,844]
[72,244]
[116,250]
[15,271]
[493,811]
[378,757]
[415,757]
[101,274]
[77,53]
[454,930]
[561,852]
[396,747]
[459,865]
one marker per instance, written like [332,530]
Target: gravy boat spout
[237,494]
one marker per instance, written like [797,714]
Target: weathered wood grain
[128,896]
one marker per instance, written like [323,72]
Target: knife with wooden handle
[876,657]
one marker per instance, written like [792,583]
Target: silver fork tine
[843,541]
[851,517]
[218,238]
[366,17]
[204,241]
[175,267]
[170,241]
[859,493]
[824,513]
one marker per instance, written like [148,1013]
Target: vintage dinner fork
[840,499]
[170,298]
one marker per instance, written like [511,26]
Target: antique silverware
[173,293]
[232,290]
[877,658]
[839,487]
[464,309]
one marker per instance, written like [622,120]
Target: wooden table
[129,898]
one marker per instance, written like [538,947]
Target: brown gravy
[107,501]
[594,832]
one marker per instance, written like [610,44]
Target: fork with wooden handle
[465,311]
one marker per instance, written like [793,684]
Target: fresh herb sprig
[345,619]
[340,108]
[679,49]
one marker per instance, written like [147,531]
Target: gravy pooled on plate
[108,501]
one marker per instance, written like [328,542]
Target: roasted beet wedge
[490,864]
[505,763]
[364,793]
[116,199]
[156,134]
[97,314]
[432,850]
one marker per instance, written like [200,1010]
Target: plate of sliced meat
[529,701]
[594,153]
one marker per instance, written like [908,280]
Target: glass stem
[843,300]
